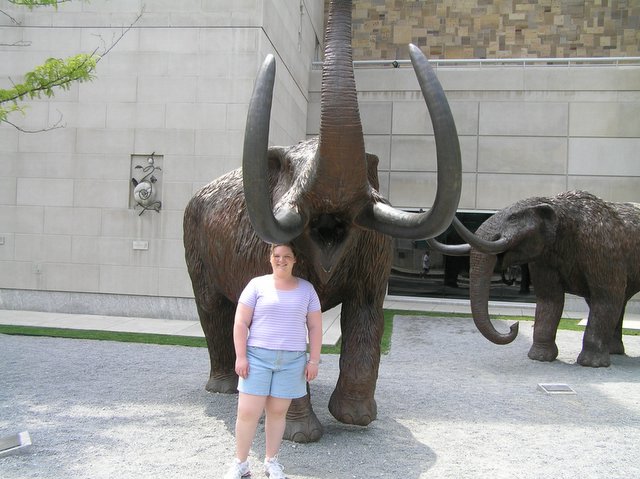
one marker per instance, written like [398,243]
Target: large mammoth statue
[321,194]
[573,242]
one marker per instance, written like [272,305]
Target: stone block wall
[495,29]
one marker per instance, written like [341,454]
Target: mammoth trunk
[480,273]
[341,163]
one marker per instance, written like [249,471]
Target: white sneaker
[273,469]
[238,470]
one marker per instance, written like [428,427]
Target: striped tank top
[279,316]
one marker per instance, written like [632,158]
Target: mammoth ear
[548,218]
[275,158]
[372,170]
[545,212]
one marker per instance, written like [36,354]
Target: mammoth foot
[302,424]
[594,359]
[225,384]
[543,352]
[616,346]
[359,412]
[303,429]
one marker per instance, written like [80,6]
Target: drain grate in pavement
[10,443]
[556,388]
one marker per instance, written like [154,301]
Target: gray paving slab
[450,405]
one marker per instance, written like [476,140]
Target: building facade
[175,89]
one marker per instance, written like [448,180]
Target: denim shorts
[279,374]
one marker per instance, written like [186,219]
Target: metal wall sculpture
[145,183]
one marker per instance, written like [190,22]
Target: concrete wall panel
[485,79]
[61,140]
[104,141]
[21,219]
[498,191]
[18,275]
[8,189]
[604,156]
[43,248]
[128,280]
[523,118]
[8,140]
[581,78]
[7,250]
[136,115]
[376,117]
[611,188]
[412,189]
[509,154]
[599,119]
[79,115]
[469,192]
[101,193]
[43,165]
[413,153]
[128,223]
[70,277]
[174,282]
[380,146]
[72,221]
[44,191]
[164,141]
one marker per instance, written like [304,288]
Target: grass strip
[191,341]
[124,337]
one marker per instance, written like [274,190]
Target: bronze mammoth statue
[573,243]
[321,194]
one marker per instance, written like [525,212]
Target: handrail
[317,65]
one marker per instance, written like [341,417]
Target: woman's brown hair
[288,245]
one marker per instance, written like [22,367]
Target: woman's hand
[242,367]
[311,371]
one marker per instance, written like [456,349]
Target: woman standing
[275,314]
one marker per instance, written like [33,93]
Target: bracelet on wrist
[310,361]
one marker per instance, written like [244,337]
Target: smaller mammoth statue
[573,243]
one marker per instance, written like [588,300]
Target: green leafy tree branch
[53,74]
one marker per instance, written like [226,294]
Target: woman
[275,314]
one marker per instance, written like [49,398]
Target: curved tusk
[388,220]
[482,245]
[285,224]
[450,249]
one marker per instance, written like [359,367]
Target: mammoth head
[335,195]
[525,231]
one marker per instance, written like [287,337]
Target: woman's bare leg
[275,422]
[250,410]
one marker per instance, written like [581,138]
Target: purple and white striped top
[279,317]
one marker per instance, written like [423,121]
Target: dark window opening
[448,276]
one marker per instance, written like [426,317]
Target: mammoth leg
[302,423]
[549,306]
[352,401]
[615,345]
[217,324]
[604,315]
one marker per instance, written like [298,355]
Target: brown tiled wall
[496,29]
